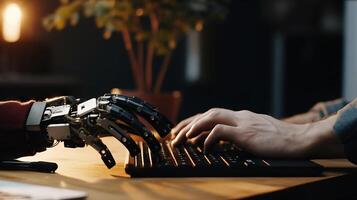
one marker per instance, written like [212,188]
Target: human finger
[183,124]
[199,138]
[209,121]
[219,132]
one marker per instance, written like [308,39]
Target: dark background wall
[236,53]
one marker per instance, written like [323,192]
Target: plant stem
[149,61]
[137,72]
[162,73]
[141,55]
[151,48]
[140,46]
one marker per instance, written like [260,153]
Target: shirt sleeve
[332,107]
[13,115]
[16,141]
[346,129]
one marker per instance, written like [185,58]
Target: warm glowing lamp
[12,23]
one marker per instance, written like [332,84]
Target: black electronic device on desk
[226,160]
[40,166]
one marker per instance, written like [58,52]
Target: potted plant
[150,30]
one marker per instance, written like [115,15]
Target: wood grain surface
[83,169]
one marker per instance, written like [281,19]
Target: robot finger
[97,144]
[120,134]
[147,111]
[119,113]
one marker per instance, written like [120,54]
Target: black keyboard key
[181,157]
[197,157]
[166,159]
[138,157]
[244,154]
[233,159]
[258,162]
[152,159]
[170,157]
[249,163]
[146,157]
[215,160]
[266,162]
[138,161]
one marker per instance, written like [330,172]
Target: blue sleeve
[333,107]
[346,130]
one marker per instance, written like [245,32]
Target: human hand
[256,133]
[328,108]
[318,112]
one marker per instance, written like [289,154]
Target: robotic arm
[80,123]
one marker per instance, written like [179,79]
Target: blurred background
[277,57]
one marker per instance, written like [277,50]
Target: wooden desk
[83,169]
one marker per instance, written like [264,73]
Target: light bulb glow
[12,23]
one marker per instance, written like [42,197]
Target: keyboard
[225,160]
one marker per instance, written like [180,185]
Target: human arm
[15,140]
[345,129]
[318,112]
[261,134]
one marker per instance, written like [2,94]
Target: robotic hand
[81,123]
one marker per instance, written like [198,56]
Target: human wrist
[321,142]
[313,116]
[310,116]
